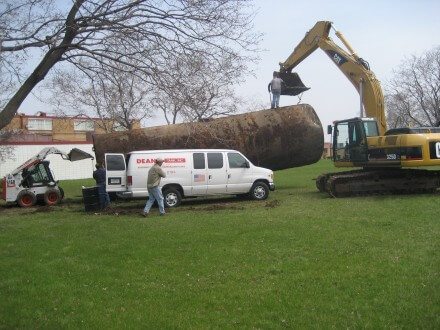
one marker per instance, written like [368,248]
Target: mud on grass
[199,205]
[134,207]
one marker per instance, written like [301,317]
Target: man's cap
[159,160]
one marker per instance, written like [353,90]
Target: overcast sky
[382,32]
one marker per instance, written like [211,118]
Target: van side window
[199,160]
[215,160]
[115,163]
[236,160]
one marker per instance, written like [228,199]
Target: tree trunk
[49,60]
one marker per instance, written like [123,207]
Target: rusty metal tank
[277,139]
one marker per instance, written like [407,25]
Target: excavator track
[378,181]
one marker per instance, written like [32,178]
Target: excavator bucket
[292,84]
[77,154]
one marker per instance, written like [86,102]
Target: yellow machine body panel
[404,150]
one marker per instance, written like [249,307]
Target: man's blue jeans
[154,194]
[104,198]
[275,99]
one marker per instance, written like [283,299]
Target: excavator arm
[352,66]
[307,46]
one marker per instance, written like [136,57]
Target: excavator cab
[292,83]
[350,140]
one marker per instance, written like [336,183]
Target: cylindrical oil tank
[277,138]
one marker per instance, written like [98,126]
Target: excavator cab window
[354,136]
[340,142]
[350,143]
[370,127]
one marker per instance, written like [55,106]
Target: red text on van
[166,160]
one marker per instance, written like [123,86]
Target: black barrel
[91,199]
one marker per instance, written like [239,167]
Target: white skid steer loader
[34,180]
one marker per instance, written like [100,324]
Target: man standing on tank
[275,87]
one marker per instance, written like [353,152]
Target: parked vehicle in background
[34,180]
[189,173]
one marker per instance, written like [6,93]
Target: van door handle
[229,176]
[210,177]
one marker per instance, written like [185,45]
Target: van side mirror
[329,129]
[246,164]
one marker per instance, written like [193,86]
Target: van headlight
[271,176]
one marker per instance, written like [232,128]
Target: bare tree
[198,89]
[413,95]
[169,100]
[210,92]
[117,98]
[140,35]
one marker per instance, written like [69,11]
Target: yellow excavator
[387,158]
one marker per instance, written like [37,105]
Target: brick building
[328,150]
[35,132]
[45,128]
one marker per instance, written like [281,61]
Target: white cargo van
[189,173]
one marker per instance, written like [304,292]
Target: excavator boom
[352,66]
[306,46]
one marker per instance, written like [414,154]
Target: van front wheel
[171,197]
[259,191]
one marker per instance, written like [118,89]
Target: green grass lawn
[298,260]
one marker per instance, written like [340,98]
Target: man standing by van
[99,176]
[154,193]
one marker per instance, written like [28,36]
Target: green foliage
[298,260]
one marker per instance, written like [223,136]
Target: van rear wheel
[259,191]
[171,197]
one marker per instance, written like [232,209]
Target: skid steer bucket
[292,84]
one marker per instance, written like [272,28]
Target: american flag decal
[199,177]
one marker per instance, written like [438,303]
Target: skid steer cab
[33,181]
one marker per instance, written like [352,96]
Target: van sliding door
[217,176]
[116,172]
[199,178]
